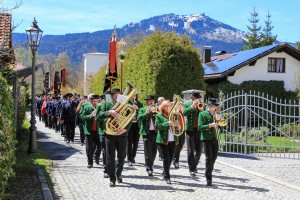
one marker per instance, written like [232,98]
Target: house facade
[279,62]
[92,64]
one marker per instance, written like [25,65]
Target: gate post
[246,123]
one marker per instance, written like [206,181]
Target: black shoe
[192,173]
[82,144]
[120,180]
[209,183]
[105,175]
[196,170]
[97,161]
[168,181]
[150,173]
[68,141]
[133,161]
[112,184]
[90,166]
[176,165]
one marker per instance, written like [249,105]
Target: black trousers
[211,148]
[132,141]
[193,148]
[178,148]
[40,114]
[92,146]
[50,124]
[167,152]
[113,143]
[55,124]
[45,118]
[63,129]
[150,149]
[102,142]
[70,130]
[81,133]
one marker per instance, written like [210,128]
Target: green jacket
[85,113]
[203,125]
[162,125]
[190,113]
[108,105]
[144,120]
[100,120]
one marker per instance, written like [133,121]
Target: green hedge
[7,134]
[272,88]
[21,107]
[162,64]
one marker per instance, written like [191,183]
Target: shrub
[7,134]
[162,64]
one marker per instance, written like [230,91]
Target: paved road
[73,180]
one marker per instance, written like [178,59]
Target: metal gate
[260,125]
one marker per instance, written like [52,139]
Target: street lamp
[34,36]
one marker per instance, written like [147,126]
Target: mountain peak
[202,29]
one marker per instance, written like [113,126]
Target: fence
[260,125]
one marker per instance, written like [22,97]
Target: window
[276,65]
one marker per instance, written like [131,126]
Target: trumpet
[154,108]
[200,106]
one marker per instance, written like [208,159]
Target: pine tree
[252,40]
[267,38]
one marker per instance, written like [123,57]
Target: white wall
[260,71]
[93,62]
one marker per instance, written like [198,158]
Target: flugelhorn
[154,108]
[176,116]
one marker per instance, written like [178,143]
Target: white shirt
[151,128]
[170,136]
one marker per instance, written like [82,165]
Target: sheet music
[121,98]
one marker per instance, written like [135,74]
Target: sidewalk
[232,177]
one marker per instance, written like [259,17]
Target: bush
[7,134]
[255,138]
[162,64]
[21,107]
[272,88]
[291,131]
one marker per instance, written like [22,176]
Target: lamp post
[122,44]
[34,36]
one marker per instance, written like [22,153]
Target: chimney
[207,54]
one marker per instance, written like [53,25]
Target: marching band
[110,126]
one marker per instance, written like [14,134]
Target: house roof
[223,65]
[5,31]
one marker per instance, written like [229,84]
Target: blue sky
[75,16]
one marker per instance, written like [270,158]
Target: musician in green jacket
[207,127]
[101,132]
[148,131]
[133,133]
[191,110]
[114,142]
[165,139]
[88,114]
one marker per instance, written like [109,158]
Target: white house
[93,62]
[275,62]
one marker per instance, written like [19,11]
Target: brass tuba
[176,116]
[126,113]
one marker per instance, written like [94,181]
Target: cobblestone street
[73,180]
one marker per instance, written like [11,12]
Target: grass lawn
[271,144]
[25,184]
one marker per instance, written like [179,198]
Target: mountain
[203,30]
